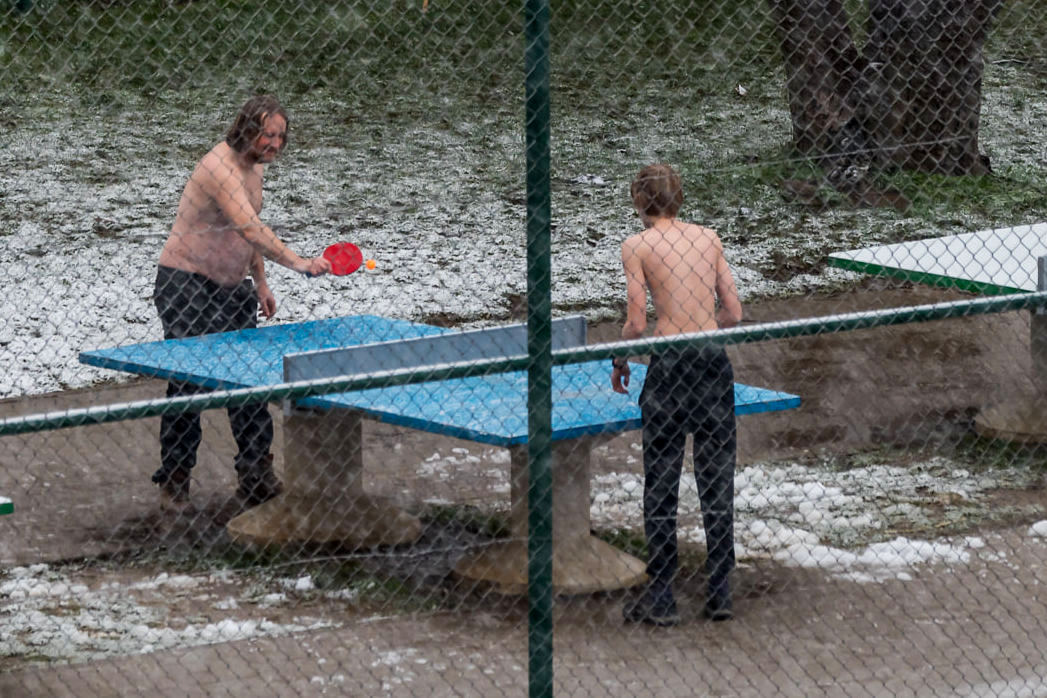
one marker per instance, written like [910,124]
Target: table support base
[1023,418]
[358,522]
[324,502]
[1021,421]
[581,563]
[580,566]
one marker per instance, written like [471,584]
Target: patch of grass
[155,46]
[683,50]
[257,568]
[632,542]
[238,558]
[367,588]
[390,65]
[1018,35]
[981,453]
[1005,195]
[469,519]
[691,556]
[957,519]
[190,559]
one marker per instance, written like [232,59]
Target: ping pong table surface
[488,409]
[991,262]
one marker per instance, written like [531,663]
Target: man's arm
[636,290]
[230,195]
[636,310]
[266,299]
[730,312]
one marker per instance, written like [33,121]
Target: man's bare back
[683,266]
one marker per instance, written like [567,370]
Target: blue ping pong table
[991,262]
[324,501]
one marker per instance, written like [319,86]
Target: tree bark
[910,99]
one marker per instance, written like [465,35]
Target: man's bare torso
[202,239]
[680,269]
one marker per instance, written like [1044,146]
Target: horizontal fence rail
[761,332]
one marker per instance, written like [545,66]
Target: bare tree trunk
[823,69]
[910,99]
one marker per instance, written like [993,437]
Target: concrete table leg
[324,502]
[582,563]
[1024,418]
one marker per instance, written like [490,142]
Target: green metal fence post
[539,349]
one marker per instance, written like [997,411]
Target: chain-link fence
[839,492]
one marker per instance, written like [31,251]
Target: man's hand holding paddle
[317,266]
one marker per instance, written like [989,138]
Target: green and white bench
[6,506]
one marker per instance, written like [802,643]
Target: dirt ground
[83,493]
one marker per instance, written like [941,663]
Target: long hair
[251,120]
[657,191]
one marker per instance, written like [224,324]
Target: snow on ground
[45,613]
[82,234]
[1038,529]
[799,515]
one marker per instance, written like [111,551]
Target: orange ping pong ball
[370,264]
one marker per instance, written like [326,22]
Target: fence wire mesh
[862,495]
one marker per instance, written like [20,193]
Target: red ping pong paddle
[345,258]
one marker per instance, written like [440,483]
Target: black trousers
[191,305]
[689,391]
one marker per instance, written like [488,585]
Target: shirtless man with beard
[216,242]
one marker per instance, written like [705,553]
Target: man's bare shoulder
[216,165]
[636,247]
[693,231]
[634,240]
[698,229]
[701,235]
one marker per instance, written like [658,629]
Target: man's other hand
[266,303]
[620,378]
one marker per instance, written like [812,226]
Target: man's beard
[264,156]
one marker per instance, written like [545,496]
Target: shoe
[652,611]
[718,609]
[174,488]
[257,483]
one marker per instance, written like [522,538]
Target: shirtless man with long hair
[216,241]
